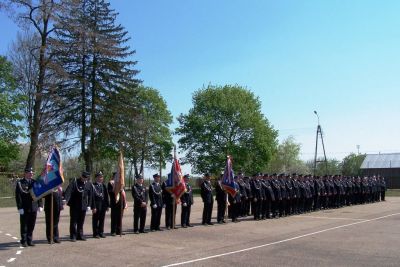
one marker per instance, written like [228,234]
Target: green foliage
[287,158]
[9,114]
[140,124]
[332,167]
[352,163]
[226,120]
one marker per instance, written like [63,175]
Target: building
[386,165]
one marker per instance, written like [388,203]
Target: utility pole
[319,135]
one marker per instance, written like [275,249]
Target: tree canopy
[10,115]
[226,120]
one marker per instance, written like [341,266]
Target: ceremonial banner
[175,183]
[119,180]
[228,178]
[50,177]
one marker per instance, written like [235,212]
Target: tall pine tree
[93,58]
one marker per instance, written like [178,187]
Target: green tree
[10,115]
[92,55]
[287,158]
[140,123]
[332,167]
[351,164]
[226,120]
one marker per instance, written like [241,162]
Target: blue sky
[340,58]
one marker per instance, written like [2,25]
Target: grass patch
[393,193]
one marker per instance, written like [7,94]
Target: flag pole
[51,219]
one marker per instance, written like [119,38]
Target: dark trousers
[207,211]
[27,222]
[221,208]
[185,215]
[77,219]
[155,218]
[169,217]
[256,208]
[139,213]
[116,219]
[56,219]
[98,222]
[235,211]
[383,195]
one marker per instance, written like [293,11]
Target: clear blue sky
[341,58]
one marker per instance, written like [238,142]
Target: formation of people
[262,196]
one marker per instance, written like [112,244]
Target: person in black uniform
[117,205]
[140,199]
[222,200]
[234,202]
[156,203]
[243,194]
[100,206]
[79,198]
[168,201]
[58,205]
[187,202]
[27,208]
[207,197]
[257,197]
[249,195]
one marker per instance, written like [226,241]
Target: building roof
[381,161]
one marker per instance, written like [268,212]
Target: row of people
[262,196]
[271,196]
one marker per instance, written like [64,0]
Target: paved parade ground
[364,235]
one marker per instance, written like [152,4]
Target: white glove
[154,206]
[21,211]
[40,209]
[184,204]
[88,208]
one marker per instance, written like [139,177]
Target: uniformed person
[140,199]
[222,200]
[234,201]
[100,205]
[168,201]
[27,208]
[118,205]
[186,202]
[156,203]
[257,196]
[207,197]
[58,205]
[79,199]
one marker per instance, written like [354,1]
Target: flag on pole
[228,179]
[51,176]
[119,179]
[175,183]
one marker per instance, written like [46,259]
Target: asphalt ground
[364,235]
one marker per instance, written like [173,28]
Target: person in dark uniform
[156,203]
[234,201]
[249,195]
[117,205]
[168,201]
[186,202]
[58,205]
[140,199]
[257,196]
[79,198]
[27,208]
[382,187]
[100,205]
[243,194]
[222,200]
[207,197]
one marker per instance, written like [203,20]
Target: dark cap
[207,174]
[139,176]
[99,174]
[85,174]
[156,175]
[29,169]
[186,176]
